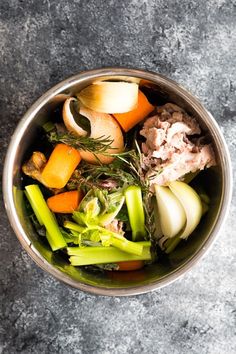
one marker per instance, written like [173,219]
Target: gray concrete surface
[193,42]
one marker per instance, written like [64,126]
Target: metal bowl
[218,181]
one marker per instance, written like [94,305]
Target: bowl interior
[162,91]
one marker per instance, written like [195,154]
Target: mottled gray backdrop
[193,42]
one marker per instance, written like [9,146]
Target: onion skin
[69,121]
[103,124]
[110,97]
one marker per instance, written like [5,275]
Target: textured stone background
[193,42]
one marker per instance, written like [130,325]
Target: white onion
[171,213]
[110,97]
[191,203]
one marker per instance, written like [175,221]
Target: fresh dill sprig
[94,145]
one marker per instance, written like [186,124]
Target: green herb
[123,215]
[88,176]
[94,145]
[107,266]
[133,160]
[125,170]
[40,229]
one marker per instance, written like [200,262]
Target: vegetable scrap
[116,191]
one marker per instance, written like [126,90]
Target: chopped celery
[98,207]
[190,176]
[171,244]
[36,199]
[97,233]
[99,255]
[205,207]
[34,207]
[204,198]
[122,243]
[48,126]
[108,217]
[133,197]
[73,226]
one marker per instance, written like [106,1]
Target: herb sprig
[94,145]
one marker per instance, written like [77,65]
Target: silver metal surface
[157,275]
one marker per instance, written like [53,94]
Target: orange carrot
[65,202]
[60,166]
[130,265]
[130,119]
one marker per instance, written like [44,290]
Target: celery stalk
[33,206]
[100,255]
[171,244]
[133,197]
[205,207]
[73,226]
[123,244]
[38,203]
[48,126]
[109,237]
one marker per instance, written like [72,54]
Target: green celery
[48,126]
[34,207]
[171,244]
[204,198]
[108,237]
[190,176]
[107,218]
[123,244]
[133,197]
[205,207]
[99,255]
[73,226]
[54,235]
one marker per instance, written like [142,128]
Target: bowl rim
[8,171]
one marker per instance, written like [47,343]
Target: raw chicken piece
[169,150]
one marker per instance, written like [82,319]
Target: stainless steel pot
[218,181]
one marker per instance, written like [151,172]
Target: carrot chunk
[129,119]
[130,265]
[65,202]
[61,164]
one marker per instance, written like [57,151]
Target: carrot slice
[60,166]
[65,202]
[130,265]
[130,119]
